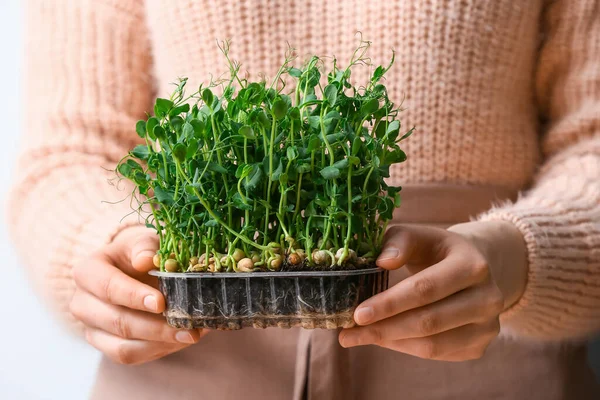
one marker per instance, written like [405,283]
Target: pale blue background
[38,361]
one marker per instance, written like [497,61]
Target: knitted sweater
[503,93]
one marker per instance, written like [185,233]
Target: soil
[359,263]
[234,301]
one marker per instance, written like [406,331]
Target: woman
[506,99]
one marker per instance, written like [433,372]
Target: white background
[37,360]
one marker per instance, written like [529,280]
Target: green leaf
[140,128]
[160,133]
[395,156]
[295,72]
[211,223]
[247,132]
[354,160]
[386,208]
[376,162]
[141,151]
[238,202]
[188,130]
[330,172]
[216,168]
[303,168]
[207,97]
[198,127]
[162,107]
[341,164]
[150,125]
[179,152]
[369,107]
[314,143]
[180,109]
[280,108]
[254,177]
[192,149]
[407,134]
[330,92]
[192,189]
[294,113]
[378,73]
[163,196]
[124,169]
[177,123]
[277,173]
[292,153]
[393,127]
[397,200]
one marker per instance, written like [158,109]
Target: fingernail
[388,254]
[184,337]
[150,303]
[147,253]
[364,315]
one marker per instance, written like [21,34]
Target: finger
[126,323]
[472,338]
[441,280]
[143,251]
[474,305]
[409,244]
[127,351]
[112,285]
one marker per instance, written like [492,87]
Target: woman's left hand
[459,281]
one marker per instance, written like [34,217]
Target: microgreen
[279,177]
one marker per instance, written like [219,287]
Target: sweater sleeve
[559,216]
[87,81]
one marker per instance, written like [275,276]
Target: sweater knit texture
[503,93]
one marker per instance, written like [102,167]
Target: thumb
[143,249]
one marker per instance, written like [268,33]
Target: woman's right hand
[119,305]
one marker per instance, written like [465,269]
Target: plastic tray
[228,301]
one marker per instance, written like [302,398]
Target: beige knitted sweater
[503,93]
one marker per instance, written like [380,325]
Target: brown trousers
[297,364]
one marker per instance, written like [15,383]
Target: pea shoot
[264,177]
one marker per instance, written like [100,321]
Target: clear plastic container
[228,301]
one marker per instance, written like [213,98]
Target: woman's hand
[458,282]
[119,305]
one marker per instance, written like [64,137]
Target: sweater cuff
[561,298]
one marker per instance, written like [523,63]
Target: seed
[196,268]
[172,256]
[238,254]
[245,265]
[294,259]
[225,260]
[194,260]
[351,254]
[301,253]
[276,263]
[212,268]
[156,260]
[171,265]
[255,257]
[202,258]
[320,257]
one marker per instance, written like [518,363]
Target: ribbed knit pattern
[475,78]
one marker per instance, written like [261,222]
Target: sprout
[253,171]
